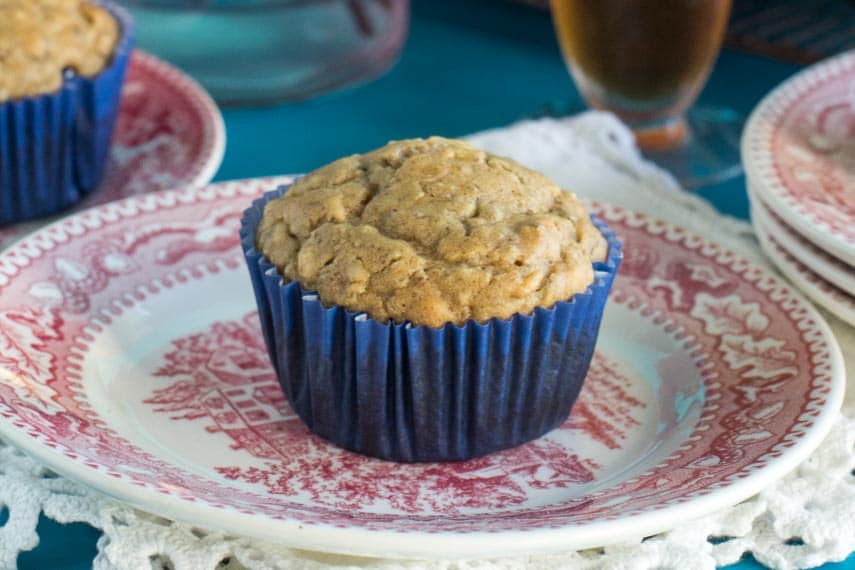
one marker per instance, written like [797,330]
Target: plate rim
[215,140]
[803,277]
[758,160]
[788,239]
[421,545]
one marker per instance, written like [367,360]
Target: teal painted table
[468,65]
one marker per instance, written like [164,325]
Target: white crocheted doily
[804,520]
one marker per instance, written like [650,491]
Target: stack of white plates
[799,155]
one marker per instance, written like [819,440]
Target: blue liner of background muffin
[413,393]
[54,146]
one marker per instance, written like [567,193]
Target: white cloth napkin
[594,155]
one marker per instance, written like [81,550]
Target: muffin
[62,65]
[428,301]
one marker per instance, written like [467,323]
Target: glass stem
[662,135]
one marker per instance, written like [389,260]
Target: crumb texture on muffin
[40,39]
[431,231]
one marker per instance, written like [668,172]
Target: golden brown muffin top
[39,39]
[431,231]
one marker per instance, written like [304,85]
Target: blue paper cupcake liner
[54,147]
[413,393]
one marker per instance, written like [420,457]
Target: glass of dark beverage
[646,61]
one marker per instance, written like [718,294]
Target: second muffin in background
[428,301]
[40,40]
[62,67]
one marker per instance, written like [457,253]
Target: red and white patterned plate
[837,302]
[131,360]
[799,153]
[169,134]
[818,261]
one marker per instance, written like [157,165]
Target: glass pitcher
[264,51]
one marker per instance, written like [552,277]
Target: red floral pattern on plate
[799,151]
[767,373]
[169,134]
[222,377]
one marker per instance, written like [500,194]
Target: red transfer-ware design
[768,371]
[799,149]
[169,134]
[223,378]
[73,281]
